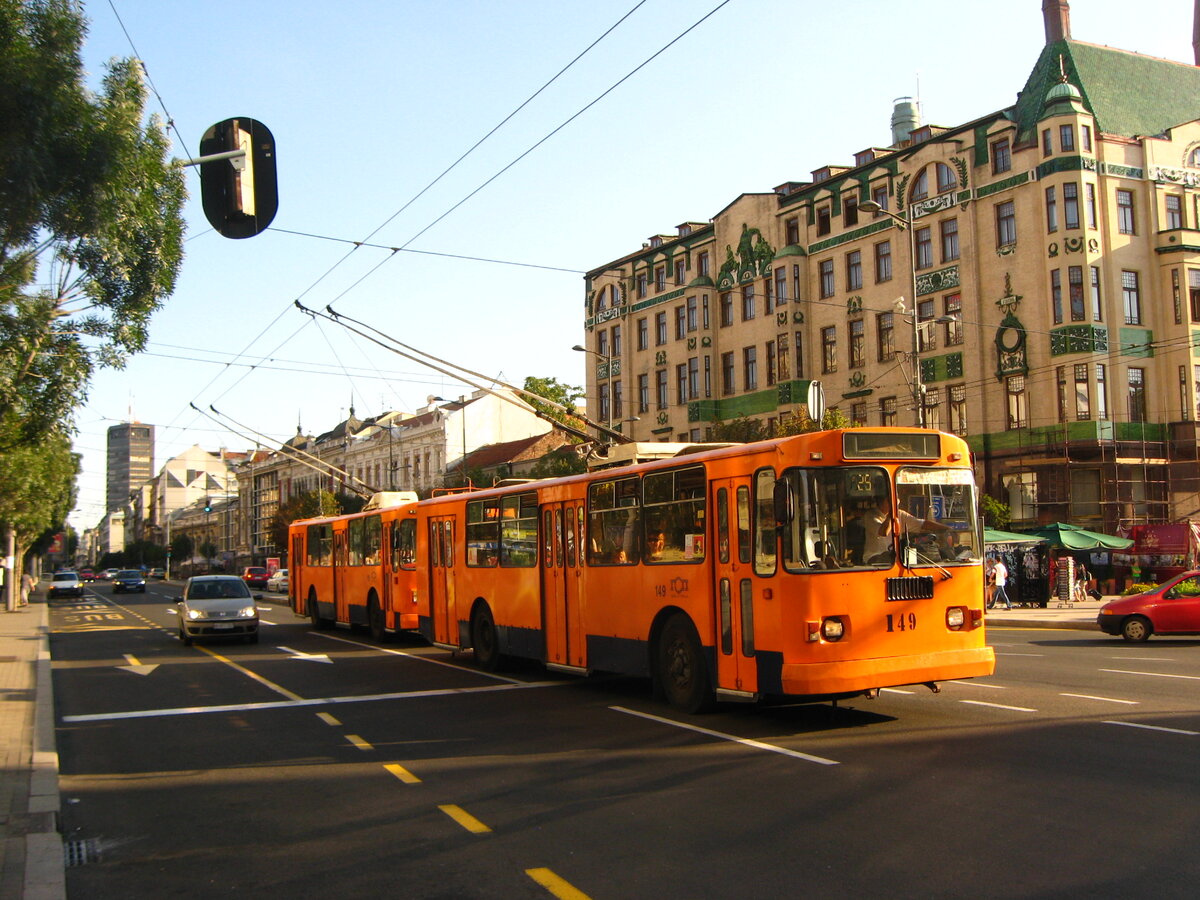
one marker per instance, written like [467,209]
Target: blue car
[129,580]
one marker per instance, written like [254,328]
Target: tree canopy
[91,225]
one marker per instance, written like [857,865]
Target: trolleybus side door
[298,564]
[441,581]
[560,577]
[733,586]
[341,562]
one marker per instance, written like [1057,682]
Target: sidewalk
[31,862]
[1081,616]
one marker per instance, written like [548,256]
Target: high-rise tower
[130,461]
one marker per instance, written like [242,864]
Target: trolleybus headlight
[954,617]
[832,628]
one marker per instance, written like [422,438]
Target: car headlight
[248,612]
[194,614]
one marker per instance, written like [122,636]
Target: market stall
[1027,559]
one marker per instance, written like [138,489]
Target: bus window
[673,509]
[614,522]
[319,543]
[448,543]
[747,603]
[841,519]
[723,524]
[371,552]
[936,512]
[404,544]
[354,542]
[766,537]
[483,533]
[435,550]
[518,530]
[743,524]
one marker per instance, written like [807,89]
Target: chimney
[1057,17]
[1196,32]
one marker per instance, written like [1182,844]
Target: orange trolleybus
[820,566]
[357,569]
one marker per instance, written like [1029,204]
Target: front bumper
[1110,624]
[219,627]
[856,675]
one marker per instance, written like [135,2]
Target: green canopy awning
[1072,537]
[993,536]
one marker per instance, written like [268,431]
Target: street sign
[239,190]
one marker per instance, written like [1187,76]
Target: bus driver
[879,530]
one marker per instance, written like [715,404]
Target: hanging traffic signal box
[240,195]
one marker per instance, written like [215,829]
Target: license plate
[223,626]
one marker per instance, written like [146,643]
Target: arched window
[920,188]
[946,181]
[608,296]
[1194,158]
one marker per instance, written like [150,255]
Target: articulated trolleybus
[821,566]
[357,569]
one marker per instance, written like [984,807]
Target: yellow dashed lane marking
[327,718]
[464,818]
[402,773]
[359,742]
[555,885]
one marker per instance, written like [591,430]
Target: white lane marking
[289,704]
[982,684]
[416,656]
[1154,728]
[1105,699]
[895,691]
[1021,654]
[265,622]
[307,657]
[1153,674]
[758,745]
[172,610]
[998,706]
[135,665]
[1144,658]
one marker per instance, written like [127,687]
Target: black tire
[376,621]
[681,673]
[484,640]
[183,638]
[314,614]
[252,638]
[1137,629]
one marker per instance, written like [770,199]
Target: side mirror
[256,596]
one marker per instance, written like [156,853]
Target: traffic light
[207,505]
[240,195]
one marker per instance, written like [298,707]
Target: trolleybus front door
[441,581]
[733,586]
[560,561]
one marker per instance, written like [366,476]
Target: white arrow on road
[307,657]
[135,666]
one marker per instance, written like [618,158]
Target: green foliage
[313,505]
[560,462]
[91,228]
[182,546]
[745,430]
[567,395]
[741,430]
[209,550]
[1137,589]
[995,514]
[37,487]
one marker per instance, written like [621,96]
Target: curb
[45,875]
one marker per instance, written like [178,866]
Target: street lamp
[606,408]
[906,224]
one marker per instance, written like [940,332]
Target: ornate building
[1053,252]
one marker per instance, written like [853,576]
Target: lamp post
[906,224]
[607,408]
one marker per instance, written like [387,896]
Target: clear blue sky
[370,100]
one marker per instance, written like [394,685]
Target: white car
[217,606]
[64,584]
[278,581]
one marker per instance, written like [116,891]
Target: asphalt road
[318,764]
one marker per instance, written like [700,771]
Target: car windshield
[65,576]
[214,590]
[129,573]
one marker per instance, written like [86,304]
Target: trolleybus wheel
[483,639]
[1137,629]
[314,614]
[681,671]
[375,619]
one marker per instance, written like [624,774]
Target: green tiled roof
[1129,94]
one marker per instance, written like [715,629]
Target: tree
[37,489]
[182,546]
[91,223]
[557,463]
[995,513]
[563,394]
[312,505]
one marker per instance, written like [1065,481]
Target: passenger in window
[655,542]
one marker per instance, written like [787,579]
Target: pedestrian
[989,582]
[1081,582]
[27,585]
[1000,579]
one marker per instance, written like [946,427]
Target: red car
[1172,607]
[255,576]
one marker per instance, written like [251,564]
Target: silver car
[65,583]
[215,606]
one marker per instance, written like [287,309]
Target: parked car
[87,575]
[217,606]
[278,581]
[1172,607]
[157,573]
[255,576]
[65,584]
[129,580]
